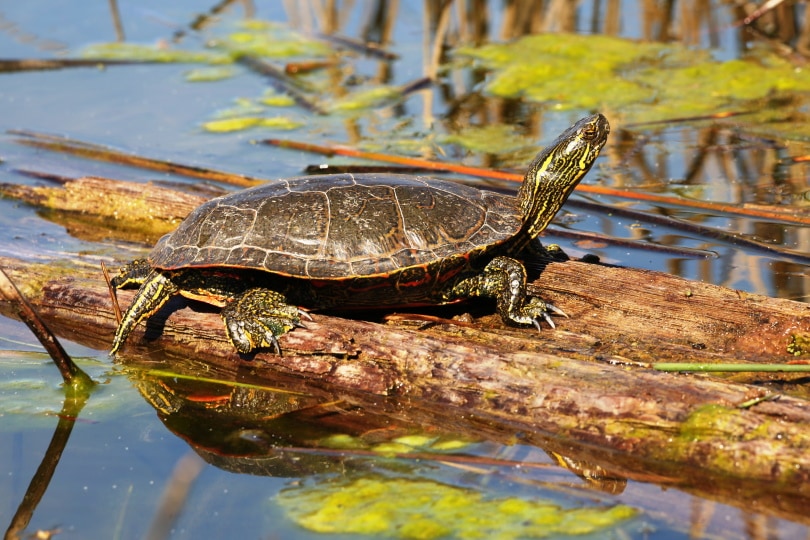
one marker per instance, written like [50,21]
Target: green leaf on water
[423,509]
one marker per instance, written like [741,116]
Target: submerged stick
[71,373]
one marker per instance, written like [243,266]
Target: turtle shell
[340,226]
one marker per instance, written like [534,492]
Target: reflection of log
[516,380]
[288,419]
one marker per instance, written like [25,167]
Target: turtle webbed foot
[504,279]
[534,309]
[257,317]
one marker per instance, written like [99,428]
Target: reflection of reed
[692,22]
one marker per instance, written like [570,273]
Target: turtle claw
[276,346]
[547,318]
[555,310]
[536,310]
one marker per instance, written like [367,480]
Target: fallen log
[568,384]
[614,312]
[512,378]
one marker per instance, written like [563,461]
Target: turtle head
[557,170]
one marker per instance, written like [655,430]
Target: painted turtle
[359,241]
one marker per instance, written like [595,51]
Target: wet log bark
[563,385]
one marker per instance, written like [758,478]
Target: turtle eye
[589,132]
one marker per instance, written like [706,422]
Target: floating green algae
[152,53]
[489,139]
[423,509]
[241,123]
[642,81]
[367,99]
[209,74]
[270,40]
[276,100]
[399,445]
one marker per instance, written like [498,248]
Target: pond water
[154,455]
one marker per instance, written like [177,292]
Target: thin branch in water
[111,289]
[98,152]
[388,158]
[9,65]
[414,86]
[202,20]
[73,376]
[280,81]
[480,172]
[695,228]
[363,47]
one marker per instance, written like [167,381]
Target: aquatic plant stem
[730,368]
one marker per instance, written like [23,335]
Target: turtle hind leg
[504,279]
[256,317]
[154,292]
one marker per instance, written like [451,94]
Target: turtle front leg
[256,317]
[504,279]
[155,291]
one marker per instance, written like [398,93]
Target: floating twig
[98,152]
[414,86]
[388,158]
[10,65]
[364,47]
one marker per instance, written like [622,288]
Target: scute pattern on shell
[340,226]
